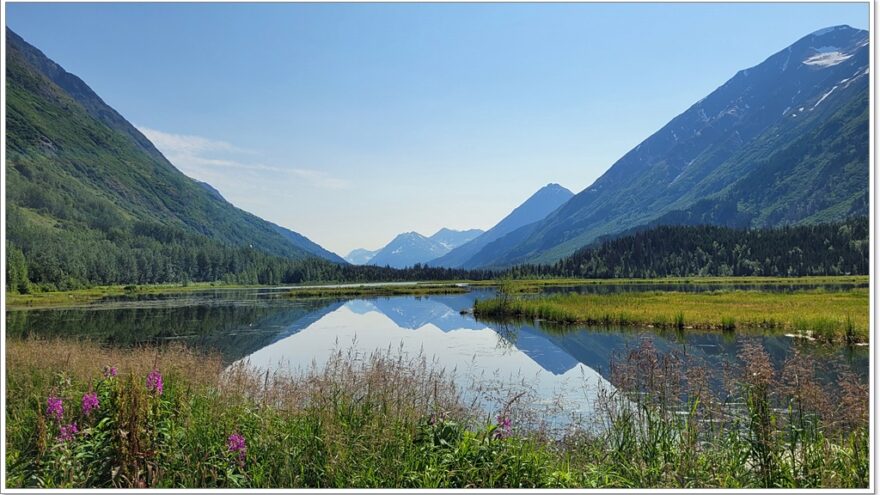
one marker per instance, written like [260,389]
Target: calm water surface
[272,332]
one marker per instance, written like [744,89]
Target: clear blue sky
[351,123]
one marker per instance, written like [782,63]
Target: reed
[172,418]
[831,316]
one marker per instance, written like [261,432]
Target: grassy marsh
[377,290]
[96,294]
[830,316]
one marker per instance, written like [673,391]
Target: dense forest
[149,254]
[144,253]
[839,248]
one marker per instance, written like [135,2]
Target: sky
[352,123]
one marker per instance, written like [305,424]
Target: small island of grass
[378,290]
[828,316]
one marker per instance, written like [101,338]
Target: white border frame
[872,290]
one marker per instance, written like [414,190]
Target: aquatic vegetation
[728,323]
[829,316]
[378,290]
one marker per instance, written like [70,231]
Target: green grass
[387,421]
[831,316]
[814,280]
[378,290]
[96,294]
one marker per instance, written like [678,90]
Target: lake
[561,369]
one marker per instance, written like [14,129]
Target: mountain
[451,239]
[408,249]
[360,256]
[294,238]
[784,142]
[89,197]
[307,245]
[537,207]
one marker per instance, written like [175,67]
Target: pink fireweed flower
[503,427]
[68,432]
[154,382]
[109,371]
[89,403]
[236,444]
[54,408]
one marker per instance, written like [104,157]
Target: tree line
[43,258]
[839,248]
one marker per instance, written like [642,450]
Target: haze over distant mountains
[360,256]
[410,248]
[537,207]
[784,142]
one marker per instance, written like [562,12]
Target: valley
[696,317]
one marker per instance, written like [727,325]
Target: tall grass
[835,316]
[386,420]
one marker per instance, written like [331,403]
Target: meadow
[83,415]
[826,315]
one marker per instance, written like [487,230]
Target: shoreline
[79,297]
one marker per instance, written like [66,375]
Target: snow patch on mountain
[823,97]
[826,59]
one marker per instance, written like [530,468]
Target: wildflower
[154,382]
[437,418]
[109,371]
[503,426]
[54,408]
[67,432]
[89,403]
[236,444]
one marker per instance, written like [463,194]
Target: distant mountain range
[410,248]
[81,178]
[537,207]
[360,256]
[784,142]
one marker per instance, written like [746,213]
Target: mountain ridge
[409,248]
[79,174]
[726,138]
[536,207]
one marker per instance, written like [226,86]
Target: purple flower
[89,403]
[109,371]
[154,382]
[67,432]
[503,427]
[235,443]
[54,408]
